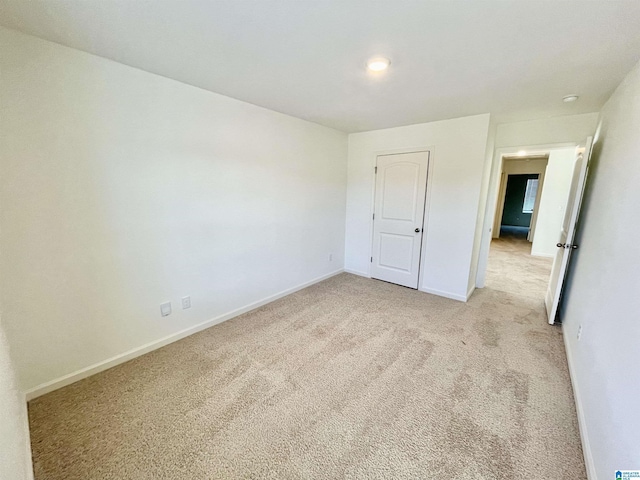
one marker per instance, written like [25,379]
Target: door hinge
[374,216]
[375,169]
[371,259]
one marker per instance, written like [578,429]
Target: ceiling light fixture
[522,153]
[378,64]
[570,98]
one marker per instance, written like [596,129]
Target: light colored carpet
[350,378]
[513,270]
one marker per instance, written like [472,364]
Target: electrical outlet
[186,302]
[331,257]
[165,309]
[579,332]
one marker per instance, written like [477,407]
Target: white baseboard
[357,272]
[582,425]
[470,292]
[136,352]
[441,293]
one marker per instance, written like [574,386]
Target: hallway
[512,268]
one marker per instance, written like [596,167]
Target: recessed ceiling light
[570,98]
[522,153]
[378,64]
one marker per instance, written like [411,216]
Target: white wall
[482,207]
[15,453]
[458,150]
[122,190]
[546,131]
[602,294]
[553,202]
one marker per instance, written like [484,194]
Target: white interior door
[401,186]
[567,233]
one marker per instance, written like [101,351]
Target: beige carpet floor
[513,270]
[350,378]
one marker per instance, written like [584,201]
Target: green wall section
[513,201]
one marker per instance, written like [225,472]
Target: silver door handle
[418,230]
[566,245]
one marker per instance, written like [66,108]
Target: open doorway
[531,200]
[521,184]
[519,205]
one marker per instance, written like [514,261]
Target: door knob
[560,245]
[417,230]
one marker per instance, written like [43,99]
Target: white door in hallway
[401,186]
[567,233]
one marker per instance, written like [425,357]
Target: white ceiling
[513,58]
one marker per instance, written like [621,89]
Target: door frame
[492,198]
[427,201]
[540,170]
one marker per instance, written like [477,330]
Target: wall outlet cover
[165,309]
[186,302]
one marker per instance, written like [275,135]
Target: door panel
[396,251]
[399,191]
[568,230]
[401,184]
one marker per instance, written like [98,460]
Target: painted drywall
[512,214]
[457,159]
[601,294]
[546,131]
[482,207]
[15,453]
[553,202]
[122,190]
